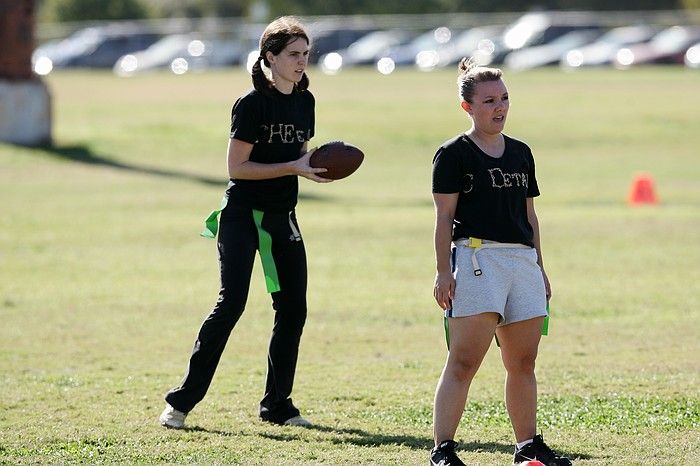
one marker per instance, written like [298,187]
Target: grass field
[104,279]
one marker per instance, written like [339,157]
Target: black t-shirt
[492,191]
[277,125]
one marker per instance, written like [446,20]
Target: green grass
[104,280]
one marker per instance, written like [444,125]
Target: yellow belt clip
[476,244]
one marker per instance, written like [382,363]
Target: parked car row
[534,40]
[91,48]
[181,53]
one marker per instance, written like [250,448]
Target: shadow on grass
[363,438]
[83,154]
[340,436]
[358,437]
[220,433]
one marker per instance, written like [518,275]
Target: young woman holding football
[267,151]
[490,278]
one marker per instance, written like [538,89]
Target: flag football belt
[479,244]
[211,228]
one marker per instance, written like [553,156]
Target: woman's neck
[285,87]
[491,144]
[485,138]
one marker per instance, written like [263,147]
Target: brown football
[338,158]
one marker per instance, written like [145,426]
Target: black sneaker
[444,455]
[538,450]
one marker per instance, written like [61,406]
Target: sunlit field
[104,279]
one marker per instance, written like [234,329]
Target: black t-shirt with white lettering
[492,191]
[277,125]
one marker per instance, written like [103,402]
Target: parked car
[533,29]
[603,51]
[692,56]
[426,51]
[478,43]
[181,53]
[667,47]
[94,47]
[326,39]
[550,54]
[367,50]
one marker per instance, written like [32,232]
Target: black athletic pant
[241,232]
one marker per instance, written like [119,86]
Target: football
[338,158]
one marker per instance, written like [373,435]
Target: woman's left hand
[302,168]
[547,286]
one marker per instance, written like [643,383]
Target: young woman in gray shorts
[490,278]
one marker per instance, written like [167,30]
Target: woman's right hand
[444,290]
[301,167]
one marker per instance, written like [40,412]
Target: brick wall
[16,39]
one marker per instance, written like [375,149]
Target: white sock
[519,445]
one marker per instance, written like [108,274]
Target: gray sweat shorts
[510,283]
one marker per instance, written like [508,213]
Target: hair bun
[466,64]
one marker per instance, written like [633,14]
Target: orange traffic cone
[642,191]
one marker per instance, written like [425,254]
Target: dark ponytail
[260,81]
[277,35]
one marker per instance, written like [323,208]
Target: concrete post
[25,103]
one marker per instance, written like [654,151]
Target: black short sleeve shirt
[492,191]
[277,125]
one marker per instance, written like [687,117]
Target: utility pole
[25,102]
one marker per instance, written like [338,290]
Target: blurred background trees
[83,10]
[79,10]
[197,8]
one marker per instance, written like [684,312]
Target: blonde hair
[471,74]
[274,39]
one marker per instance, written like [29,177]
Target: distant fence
[242,27]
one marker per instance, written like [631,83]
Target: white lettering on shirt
[468,183]
[285,133]
[507,180]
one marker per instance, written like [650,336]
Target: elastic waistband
[477,243]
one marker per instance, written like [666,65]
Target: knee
[521,365]
[290,307]
[293,321]
[462,369]
[226,313]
